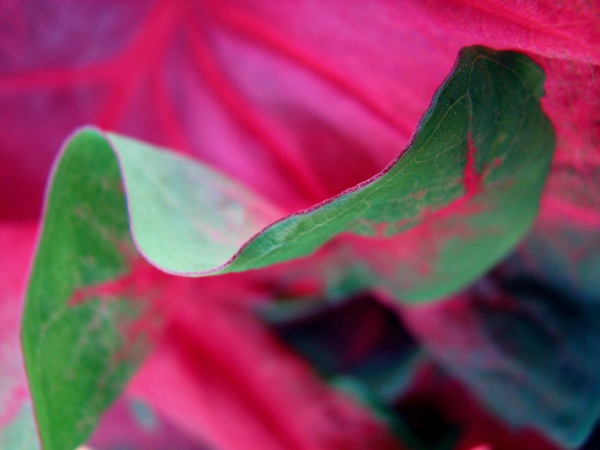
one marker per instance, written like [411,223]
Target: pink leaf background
[298,99]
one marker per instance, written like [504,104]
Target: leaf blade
[104,184]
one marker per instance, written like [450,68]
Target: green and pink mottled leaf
[454,202]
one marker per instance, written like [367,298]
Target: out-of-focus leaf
[563,250]
[244,386]
[20,432]
[471,177]
[17,425]
[524,339]
[132,425]
[358,345]
[352,342]
[525,346]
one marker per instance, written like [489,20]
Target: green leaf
[470,181]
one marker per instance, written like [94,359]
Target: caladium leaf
[525,346]
[19,433]
[221,374]
[475,167]
[357,342]
[525,335]
[17,425]
[131,424]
